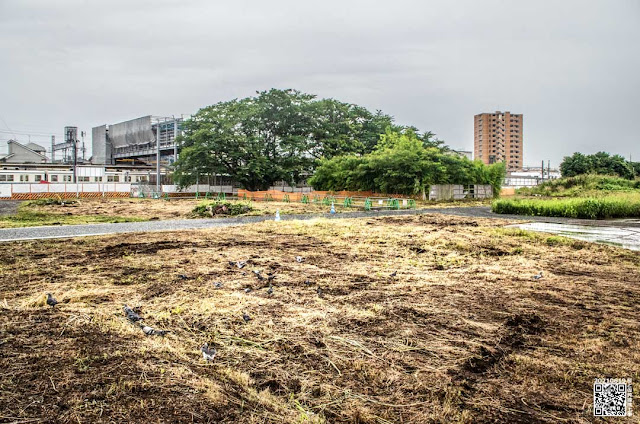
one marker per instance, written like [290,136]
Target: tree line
[599,163]
[287,135]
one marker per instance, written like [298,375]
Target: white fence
[459,192]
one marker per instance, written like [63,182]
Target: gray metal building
[147,140]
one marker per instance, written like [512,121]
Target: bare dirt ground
[461,333]
[182,208]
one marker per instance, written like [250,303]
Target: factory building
[148,140]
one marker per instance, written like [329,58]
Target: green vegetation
[28,218]
[599,163]
[222,208]
[582,185]
[50,201]
[278,135]
[403,163]
[623,205]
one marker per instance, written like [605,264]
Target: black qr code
[610,399]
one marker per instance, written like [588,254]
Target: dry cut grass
[462,333]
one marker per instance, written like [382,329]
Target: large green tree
[403,163]
[275,135]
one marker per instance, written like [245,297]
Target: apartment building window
[66,178]
[113,178]
[54,178]
[24,178]
[38,178]
[98,179]
[83,179]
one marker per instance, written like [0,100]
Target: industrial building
[498,138]
[23,153]
[147,140]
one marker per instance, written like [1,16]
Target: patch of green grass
[582,186]
[26,218]
[614,206]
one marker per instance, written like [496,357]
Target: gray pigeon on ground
[307,282]
[393,274]
[246,317]
[240,264]
[131,315]
[299,259]
[270,291]
[271,277]
[51,301]
[537,277]
[218,285]
[319,291]
[260,277]
[183,277]
[247,290]
[208,353]
[149,331]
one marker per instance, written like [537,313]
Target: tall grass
[615,206]
[582,185]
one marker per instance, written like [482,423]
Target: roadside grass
[26,217]
[588,185]
[460,334]
[621,205]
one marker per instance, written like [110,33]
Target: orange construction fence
[297,196]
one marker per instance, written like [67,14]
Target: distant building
[24,153]
[464,153]
[497,137]
[136,141]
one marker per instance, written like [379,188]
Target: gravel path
[67,231]
[9,207]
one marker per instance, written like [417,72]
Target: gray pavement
[68,231]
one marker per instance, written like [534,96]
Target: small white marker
[278,215]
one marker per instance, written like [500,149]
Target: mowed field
[461,332]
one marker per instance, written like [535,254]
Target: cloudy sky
[571,67]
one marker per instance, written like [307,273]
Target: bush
[621,206]
[221,208]
[50,201]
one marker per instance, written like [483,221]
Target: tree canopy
[598,163]
[276,135]
[403,163]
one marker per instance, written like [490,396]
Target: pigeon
[231,263]
[299,259]
[51,301]
[308,282]
[537,277]
[183,277]
[149,331]
[208,353]
[260,277]
[270,291]
[256,271]
[319,290]
[217,285]
[240,264]
[246,317]
[131,315]
[271,277]
[393,274]
[247,290]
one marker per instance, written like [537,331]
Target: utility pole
[82,134]
[53,152]
[542,170]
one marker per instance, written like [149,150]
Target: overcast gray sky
[571,67]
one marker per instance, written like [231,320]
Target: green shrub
[50,201]
[581,185]
[221,208]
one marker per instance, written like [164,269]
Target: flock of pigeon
[209,352]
